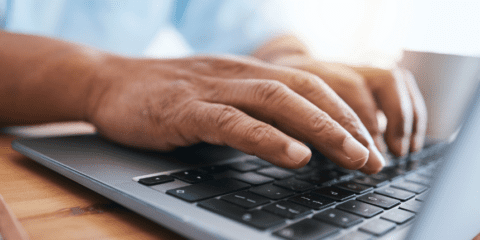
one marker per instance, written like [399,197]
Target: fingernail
[298,152]
[355,151]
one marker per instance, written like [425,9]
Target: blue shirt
[128,27]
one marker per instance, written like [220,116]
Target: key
[314,178]
[294,185]
[272,192]
[411,187]
[214,169]
[398,216]
[334,193]
[353,187]
[379,200]
[391,174]
[192,176]
[422,197]
[412,206]
[338,218]
[372,182]
[287,209]
[307,229]
[418,179]
[209,189]
[359,208]
[312,201]
[246,199]
[253,178]
[275,172]
[260,162]
[256,218]
[244,166]
[356,236]
[155,180]
[395,193]
[378,227]
[302,170]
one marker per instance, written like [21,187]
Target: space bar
[208,189]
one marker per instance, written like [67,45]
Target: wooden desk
[51,206]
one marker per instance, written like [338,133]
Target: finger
[419,112]
[392,94]
[226,125]
[272,101]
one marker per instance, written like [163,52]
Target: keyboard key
[260,162]
[294,185]
[192,176]
[386,174]
[428,173]
[334,193]
[378,227]
[312,201]
[369,181]
[422,197]
[314,178]
[244,166]
[307,229]
[275,172]
[398,216]
[302,170]
[246,199]
[338,218]
[287,209]
[209,189]
[272,192]
[411,187]
[353,187]
[379,200]
[258,219]
[412,206]
[253,178]
[214,169]
[418,179]
[395,193]
[356,236]
[359,208]
[155,180]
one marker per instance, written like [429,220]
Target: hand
[368,90]
[258,108]
[10,228]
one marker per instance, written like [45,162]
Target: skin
[367,91]
[262,109]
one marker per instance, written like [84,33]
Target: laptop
[214,192]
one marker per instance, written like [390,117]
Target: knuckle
[258,134]
[270,91]
[225,117]
[322,124]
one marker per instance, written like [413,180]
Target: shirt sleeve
[228,27]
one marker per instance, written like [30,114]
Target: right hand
[258,108]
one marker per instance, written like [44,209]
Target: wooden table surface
[51,206]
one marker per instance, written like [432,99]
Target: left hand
[368,90]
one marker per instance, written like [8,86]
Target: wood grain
[50,206]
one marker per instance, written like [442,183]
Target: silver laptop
[212,192]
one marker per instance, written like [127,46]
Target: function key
[353,187]
[275,172]
[307,229]
[245,199]
[312,201]
[272,192]
[398,216]
[244,166]
[209,189]
[379,200]
[411,187]
[287,209]
[334,193]
[378,227]
[338,218]
[395,193]
[192,176]
[150,181]
[294,185]
[369,181]
[258,219]
[359,208]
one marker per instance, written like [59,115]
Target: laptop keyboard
[317,201]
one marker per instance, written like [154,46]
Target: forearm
[44,79]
